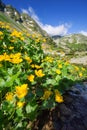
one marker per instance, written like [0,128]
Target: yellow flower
[20,104]
[49,59]
[12,40]
[1,57]
[46,95]
[39,73]
[15,58]
[44,40]
[22,38]
[11,47]
[67,63]
[60,66]
[37,66]
[16,34]
[32,65]
[22,90]
[83,69]
[1,33]
[37,40]
[80,74]
[6,57]
[16,61]
[58,71]
[7,27]
[76,68]
[9,96]
[28,59]
[1,37]
[58,97]
[33,35]
[31,78]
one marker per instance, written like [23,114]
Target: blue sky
[57,17]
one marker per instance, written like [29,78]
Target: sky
[56,17]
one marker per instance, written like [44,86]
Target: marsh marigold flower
[76,68]
[44,40]
[60,66]
[32,65]
[11,47]
[31,78]
[1,33]
[9,96]
[46,95]
[1,57]
[39,73]
[67,63]
[20,104]
[58,97]
[15,58]
[28,59]
[37,66]
[22,90]
[22,38]
[80,74]
[83,69]
[58,71]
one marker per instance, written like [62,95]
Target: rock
[72,114]
[79,60]
[64,110]
[67,99]
[85,122]
[69,127]
[64,127]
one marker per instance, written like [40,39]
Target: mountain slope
[72,43]
[20,21]
[24,23]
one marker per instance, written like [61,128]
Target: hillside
[72,43]
[70,46]
[74,46]
[24,23]
[19,20]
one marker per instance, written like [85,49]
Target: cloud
[33,15]
[51,30]
[56,30]
[24,11]
[83,32]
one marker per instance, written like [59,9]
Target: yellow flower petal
[31,78]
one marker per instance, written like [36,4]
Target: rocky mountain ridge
[21,18]
[72,42]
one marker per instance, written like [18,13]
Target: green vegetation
[77,47]
[30,81]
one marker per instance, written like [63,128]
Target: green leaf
[19,112]
[47,104]
[64,71]
[11,79]
[31,107]
[2,82]
[51,81]
[39,92]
